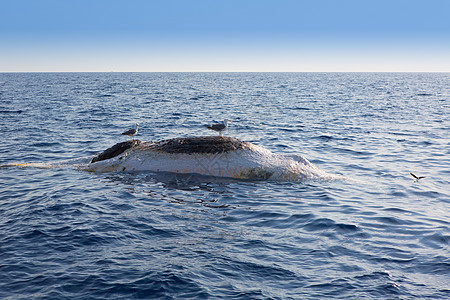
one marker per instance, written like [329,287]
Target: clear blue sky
[224,35]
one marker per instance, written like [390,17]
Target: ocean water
[375,234]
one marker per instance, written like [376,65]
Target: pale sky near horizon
[225,36]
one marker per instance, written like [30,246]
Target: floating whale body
[217,156]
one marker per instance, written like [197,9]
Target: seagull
[219,126]
[417,178]
[131,132]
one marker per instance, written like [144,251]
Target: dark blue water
[65,233]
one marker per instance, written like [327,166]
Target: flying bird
[417,178]
[219,126]
[131,132]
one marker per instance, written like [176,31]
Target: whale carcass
[218,156]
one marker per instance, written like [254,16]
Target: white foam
[78,163]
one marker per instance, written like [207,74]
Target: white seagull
[219,126]
[131,132]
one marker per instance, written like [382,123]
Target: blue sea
[376,233]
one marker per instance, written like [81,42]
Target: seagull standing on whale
[219,126]
[131,132]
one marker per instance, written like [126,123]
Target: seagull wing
[219,126]
[417,177]
[414,175]
[129,131]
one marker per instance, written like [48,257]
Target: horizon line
[5,72]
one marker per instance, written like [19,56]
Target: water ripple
[65,233]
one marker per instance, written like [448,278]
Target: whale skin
[209,156]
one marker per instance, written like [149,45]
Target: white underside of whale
[253,163]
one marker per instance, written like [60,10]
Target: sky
[224,36]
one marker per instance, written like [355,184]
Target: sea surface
[376,233]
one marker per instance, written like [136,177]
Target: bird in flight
[417,178]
